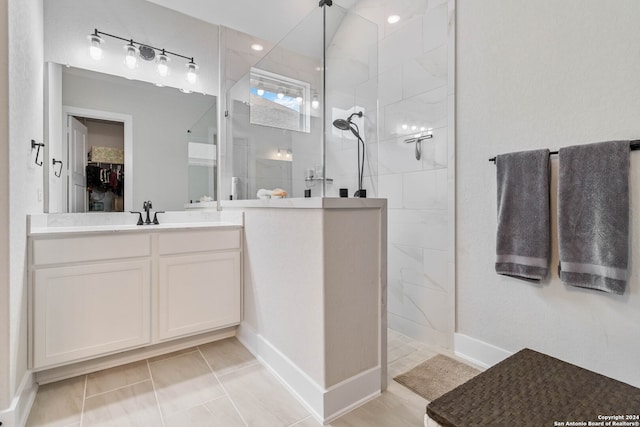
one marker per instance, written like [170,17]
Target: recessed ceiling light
[392,19]
[257,47]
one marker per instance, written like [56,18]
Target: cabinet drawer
[90,248]
[90,310]
[198,241]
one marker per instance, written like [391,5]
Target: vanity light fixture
[135,50]
[260,92]
[314,102]
[192,75]
[279,154]
[131,56]
[162,66]
[280,93]
[288,154]
[95,46]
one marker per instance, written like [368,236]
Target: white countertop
[306,203]
[93,222]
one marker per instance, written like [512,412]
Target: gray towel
[593,215]
[523,242]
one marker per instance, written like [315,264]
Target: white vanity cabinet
[103,293]
[199,282]
[89,296]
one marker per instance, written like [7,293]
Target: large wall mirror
[125,141]
[125,134]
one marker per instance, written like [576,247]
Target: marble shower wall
[416,92]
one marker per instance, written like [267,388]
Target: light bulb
[404,126]
[393,19]
[280,95]
[279,154]
[95,48]
[257,47]
[414,127]
[192,75]
[163,65]
[260,92]
[299,100]
[315,103]
[131,57]
[288,154]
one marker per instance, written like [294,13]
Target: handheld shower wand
[347,124]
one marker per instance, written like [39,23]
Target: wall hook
[35,144]
[418,140]
[60,171]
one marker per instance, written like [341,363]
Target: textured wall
[25,102]
[531,75]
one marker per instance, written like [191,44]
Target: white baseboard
[478,352]
[324,404]
[16,415]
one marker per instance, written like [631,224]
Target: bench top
[537,390]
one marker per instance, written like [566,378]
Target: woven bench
[533,389]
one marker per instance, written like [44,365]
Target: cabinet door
[198,293]
[89,310]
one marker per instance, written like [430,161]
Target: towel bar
[633,146]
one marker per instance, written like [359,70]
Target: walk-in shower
[301,119]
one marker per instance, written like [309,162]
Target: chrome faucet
[147,207]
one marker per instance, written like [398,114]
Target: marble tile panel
[403,43]
[435,150]
[396,157]
[435,31]
[58,404]
[427,307]
[261,399]
[183,382]
[428,110]
[120,376]
[425,72]
[227,355]
[390,188]
[402,258]
[418,332]
[435,268]
[390,85]
[418,228]
[408,10]
[425,190]
[133,406]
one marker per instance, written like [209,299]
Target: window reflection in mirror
[279,101]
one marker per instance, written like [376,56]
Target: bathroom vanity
[99,284]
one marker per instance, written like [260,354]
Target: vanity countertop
[306,203]
[59,224]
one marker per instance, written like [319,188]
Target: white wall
[5,350]
[68,22]
[531,75]
[161,118]
[25,104]
[416,88]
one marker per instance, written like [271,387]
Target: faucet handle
[147,205]
[155,217]
[140,222]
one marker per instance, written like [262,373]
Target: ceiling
[267,19]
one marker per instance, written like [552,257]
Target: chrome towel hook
[418,140]
[60,171]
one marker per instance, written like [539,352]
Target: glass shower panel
[275,117]
[351,61]
[202,161]
[279,133]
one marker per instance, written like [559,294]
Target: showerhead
[342,124]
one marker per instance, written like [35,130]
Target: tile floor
[217,384]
